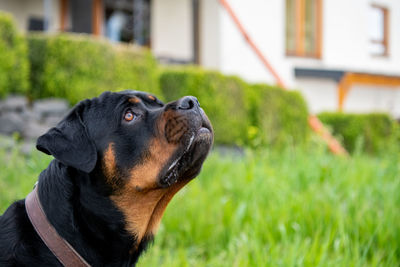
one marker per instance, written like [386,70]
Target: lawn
[299,207]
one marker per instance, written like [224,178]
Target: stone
[30,122]
[14,104]
[34,129]
[11,122]
[50,107]
[52,120]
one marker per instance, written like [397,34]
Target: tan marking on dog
[151,97]
[147,172]
[138,206]
[134,100]
[109,165]
[175,127]
[162,204]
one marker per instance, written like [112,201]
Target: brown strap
[64,252]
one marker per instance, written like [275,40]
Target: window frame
[385,41]
[300,10]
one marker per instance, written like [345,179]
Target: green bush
[37,44]
[278,117]
[78,66]
[241,114]
[222,97]
[373,133]
[14,67]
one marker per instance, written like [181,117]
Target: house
[341,54]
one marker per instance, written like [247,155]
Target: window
[127,21]
[303,28]
[378,30]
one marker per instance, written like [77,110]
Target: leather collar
[63,251]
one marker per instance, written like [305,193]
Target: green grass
[290,208]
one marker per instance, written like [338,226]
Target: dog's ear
[70,143]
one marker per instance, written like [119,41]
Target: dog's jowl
[118,161]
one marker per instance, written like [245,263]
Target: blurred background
[312,44]
[304,97]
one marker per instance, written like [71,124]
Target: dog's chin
[189,159]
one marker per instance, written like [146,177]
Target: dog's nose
[188,102]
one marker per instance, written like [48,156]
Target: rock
[11,122]
[16,116]
[14,104]
[52,120]
[50,107]
[29,115]
[33,130]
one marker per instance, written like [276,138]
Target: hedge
[372,133]
[14,67]
[279,117]
[76,66]
[222,97]
[241,113]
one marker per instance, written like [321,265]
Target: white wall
[171,29]
[346,38]
[373,99]
[23,9]
[320,94]
[264,21]
[210,32]
[345,47]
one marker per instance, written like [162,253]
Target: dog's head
[142,149]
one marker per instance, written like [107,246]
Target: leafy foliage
[240,112]
[14,67]
[279,117]
[222,97]
[372,133]
[77,67]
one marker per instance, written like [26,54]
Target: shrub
[222,97]
[278,117]
[14,67]
[36,53]
[374,132]
[78,66]
[241,114]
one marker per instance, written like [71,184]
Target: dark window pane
[81,15]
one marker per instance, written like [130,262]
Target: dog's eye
[130,116]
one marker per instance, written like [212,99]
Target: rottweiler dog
[118,161]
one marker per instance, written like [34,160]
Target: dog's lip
[185,151]
[171,175]
[202,134]
[205,126]
[203,130]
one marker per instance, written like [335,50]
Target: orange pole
[334,145]
[63,14]
[315,124]
[260,55]
[97,17]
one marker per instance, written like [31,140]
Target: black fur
[73,190]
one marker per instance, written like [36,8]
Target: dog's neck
[78,206]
